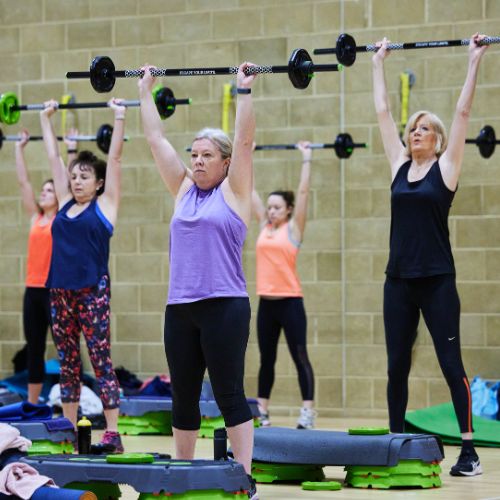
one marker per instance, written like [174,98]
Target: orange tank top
[39,254]
[276,257]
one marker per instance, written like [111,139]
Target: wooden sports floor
[483,487]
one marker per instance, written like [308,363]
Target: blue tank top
[80,248]
[420,239]
[206,244]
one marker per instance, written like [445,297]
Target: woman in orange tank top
[281,304]
[36,309]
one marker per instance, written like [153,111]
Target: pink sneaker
[110,443]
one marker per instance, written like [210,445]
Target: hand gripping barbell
[300,70]
[485,141]
[10,109]
[345,48]
[102,138]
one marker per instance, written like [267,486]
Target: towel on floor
[21,480]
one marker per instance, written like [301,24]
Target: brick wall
[346,241]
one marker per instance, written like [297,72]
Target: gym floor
[483,487]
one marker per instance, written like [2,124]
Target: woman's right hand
[304,147]
[50,108]
[383,52]
[147,82]
[24,137]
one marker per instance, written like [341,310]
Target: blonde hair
[437,127]
[219,138]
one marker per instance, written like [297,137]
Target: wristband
[243,91]
[119,118]
[69,151]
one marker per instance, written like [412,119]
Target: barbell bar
[345,47]
[343,146]
[10,109]
[300,70]
[102,138]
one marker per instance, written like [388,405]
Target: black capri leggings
[437,298]
[289,314]
[36,320]
[211,334]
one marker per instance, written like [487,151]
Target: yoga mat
[441,421]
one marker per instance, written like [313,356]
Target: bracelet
[243,91]
[69,151]
[119,118]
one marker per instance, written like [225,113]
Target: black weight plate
[102,74]
[343,146]
[165,102]
[486,141]
[103,137]
[346,49]
[300,68]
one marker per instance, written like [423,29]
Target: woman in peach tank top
[281,304]
[36,308]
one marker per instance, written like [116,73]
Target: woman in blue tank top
[421,272]
[88,192]
[208,312]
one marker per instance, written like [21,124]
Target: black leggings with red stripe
[437,298]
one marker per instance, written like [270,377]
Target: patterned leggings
[85,310]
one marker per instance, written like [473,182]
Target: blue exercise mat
[25,411]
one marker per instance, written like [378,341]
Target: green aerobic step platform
[408,474]
[53,436]
[153,422]
[270,472]
[47,447]
[441,421]
[208,426]
[153,476]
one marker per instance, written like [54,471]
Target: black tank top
[420,240]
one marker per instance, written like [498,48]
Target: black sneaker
[467,465]
[252,492]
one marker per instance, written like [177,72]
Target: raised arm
[451,159]
[172,169]
[59,171]
[110,198]
[393,147]
[240,173]
[258,208]
[300,212]
[27,193]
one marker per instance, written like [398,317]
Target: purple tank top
[206,243]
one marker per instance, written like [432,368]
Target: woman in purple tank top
[208,313]
[421,272]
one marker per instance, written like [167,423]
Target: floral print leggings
[85,310]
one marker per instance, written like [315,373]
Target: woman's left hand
[475,50]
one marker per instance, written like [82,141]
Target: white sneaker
[264,419]
[306,419]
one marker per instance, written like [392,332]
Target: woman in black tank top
[421,272]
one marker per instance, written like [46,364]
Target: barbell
[300,70]
[102,138]
[10,109]
[486,141]
[343,146]
[345,47]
